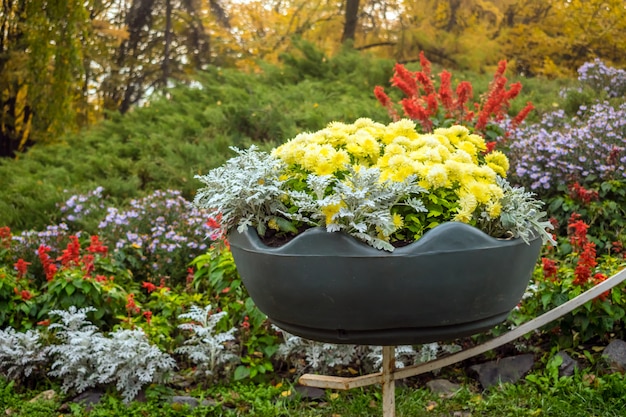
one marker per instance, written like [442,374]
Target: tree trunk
[349,27]
[168,42]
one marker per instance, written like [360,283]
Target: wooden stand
[389,372]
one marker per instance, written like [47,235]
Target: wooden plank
[389,387]
[340,383]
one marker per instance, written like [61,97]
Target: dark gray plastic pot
[454,281]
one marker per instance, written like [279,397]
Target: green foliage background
[189,130]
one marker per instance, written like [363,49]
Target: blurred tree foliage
[66,64]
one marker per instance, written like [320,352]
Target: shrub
[590,147]
[209,350]
[80,275]
[86,358]
[434,107]
[562,276]
[602,78]
[21,353]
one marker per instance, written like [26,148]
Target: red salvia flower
[490,146]
[5,236]
[613,158]
[148,286]
[514,91]
[521,116]
[501,68]
[71,255]
[416,112]
[598,278]
[617,247]
[131,306]
[148,316]
[580,193]
[26,295]
[101,278]
[445,91]
[432,103]
[88,264]
[96,246]
[49,268]
[405,80]
[21,266]
[549,268]
[586,261]
[578,231]
[464,93]
[425,63]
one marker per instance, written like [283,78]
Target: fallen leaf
[431,405]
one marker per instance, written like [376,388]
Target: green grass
[575,396]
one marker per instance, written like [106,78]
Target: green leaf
[241,372]
[69,289]
[285,225]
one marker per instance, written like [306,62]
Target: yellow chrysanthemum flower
[494,208]
[272,224]
[437,176]
[480,191]
[330,211]
[398,221]
[497,161]
[470,149]
[477,141]
[404,127]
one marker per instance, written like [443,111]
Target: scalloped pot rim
[446,237]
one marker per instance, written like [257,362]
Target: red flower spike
[405,80]
[96,246]
[521,116]
[549,268]
[22,267]
[386,102]
[445,91]
[148,286]
[71,255]
[148,316]
[5,236]
[425,63]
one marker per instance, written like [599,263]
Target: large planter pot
[454,281]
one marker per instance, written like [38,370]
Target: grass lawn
[541,395]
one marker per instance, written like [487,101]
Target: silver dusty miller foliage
[323,357]
[246,190]
[208,350]
[521,215]
[364,202]
[21,354]
[316,356]
[86,358]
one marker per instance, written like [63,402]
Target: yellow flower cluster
[450,158]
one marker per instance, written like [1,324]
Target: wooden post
[389,383]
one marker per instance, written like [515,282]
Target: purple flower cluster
[592,145]
[163,231]
[155,237]
[600,77]
[80,206]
